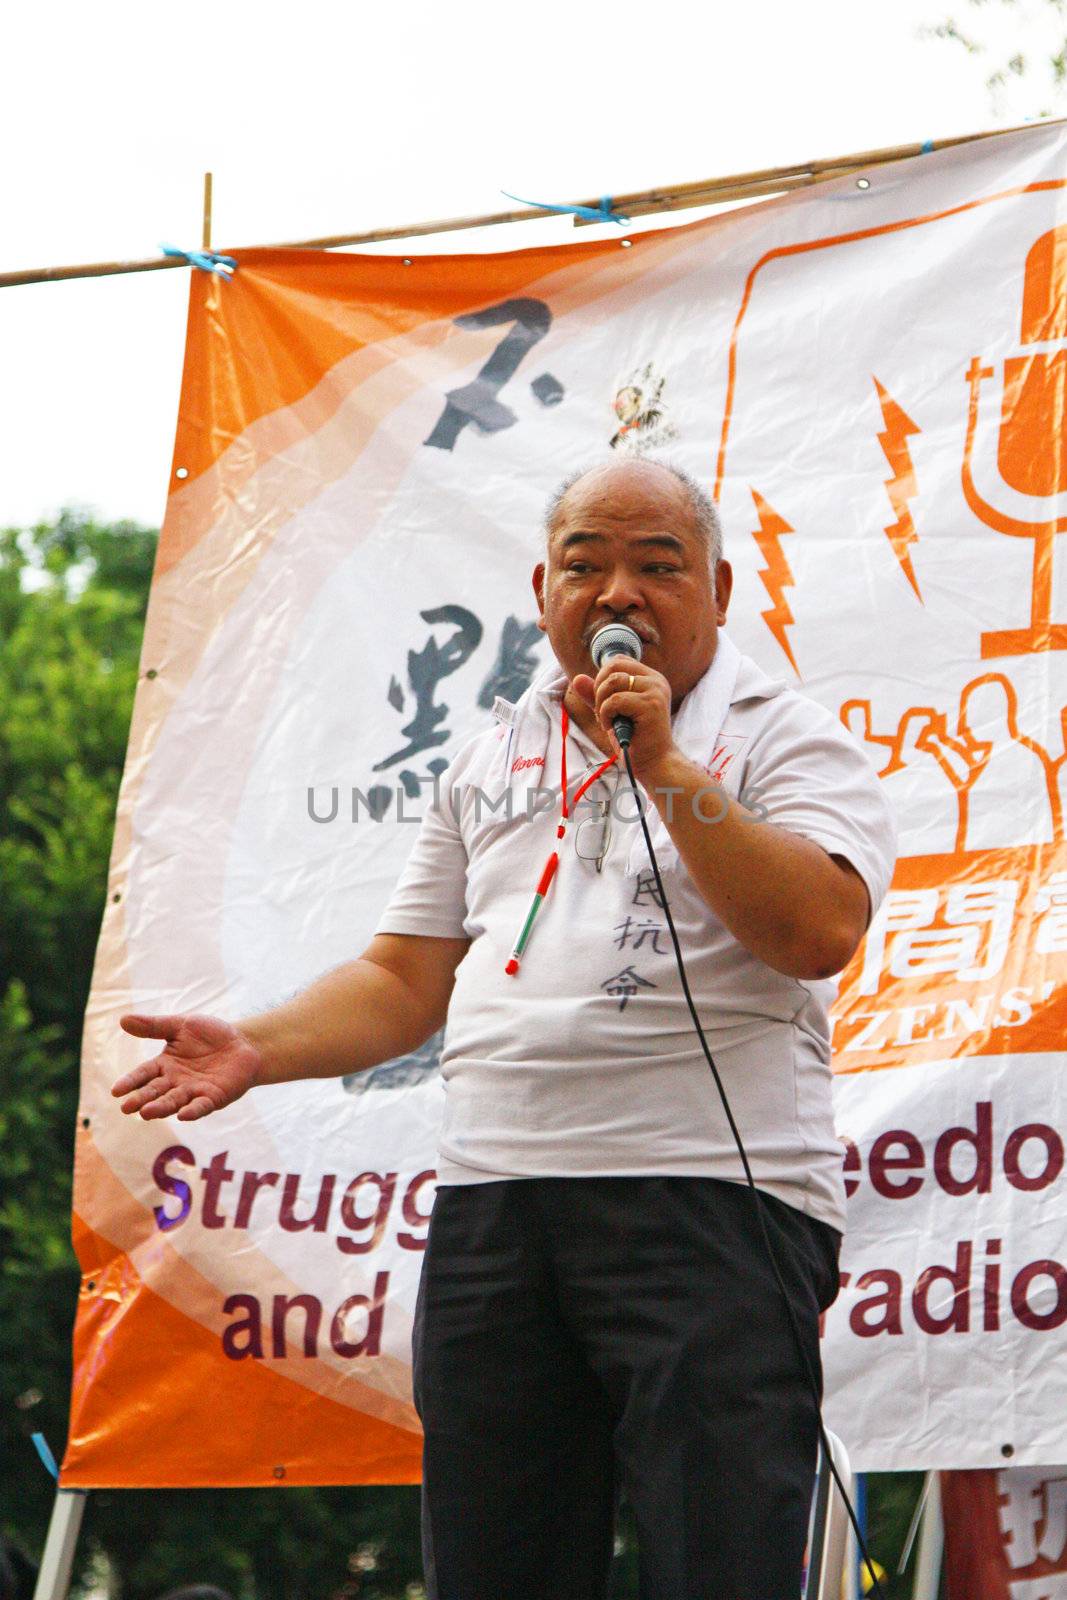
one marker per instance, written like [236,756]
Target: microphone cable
[809,1375]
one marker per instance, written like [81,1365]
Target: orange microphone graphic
[1032,443]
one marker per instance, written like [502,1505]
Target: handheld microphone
[616,639]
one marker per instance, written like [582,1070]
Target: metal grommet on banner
[206,260]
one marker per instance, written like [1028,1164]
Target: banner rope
[206,260]
[601,213]
[41,1444]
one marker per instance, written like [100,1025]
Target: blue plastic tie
[45,1454]
[927,147]
[602,213]
[206,260]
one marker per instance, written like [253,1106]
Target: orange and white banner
[872,375]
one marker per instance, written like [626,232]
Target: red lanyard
[549,870]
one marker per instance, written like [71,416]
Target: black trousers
[580,1338]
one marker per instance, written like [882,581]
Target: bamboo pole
[676,197]
[773,180]
[206,240]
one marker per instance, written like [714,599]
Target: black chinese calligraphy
[633,933]
[547,389]
[402,1071]
[411,781]
[625,984]
[426,668]
[646,892]
[515,662]
[378,799]
[478,402]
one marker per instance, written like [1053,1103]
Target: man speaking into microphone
[597,1311]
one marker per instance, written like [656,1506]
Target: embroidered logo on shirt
[521,763]
[726,748]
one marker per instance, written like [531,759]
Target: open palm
[204,1065]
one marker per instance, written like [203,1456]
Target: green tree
[892,1497]
[68,665]
[1020,45]
[72,603]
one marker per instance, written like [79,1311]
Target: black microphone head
[614,639]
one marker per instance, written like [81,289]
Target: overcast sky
[322,118]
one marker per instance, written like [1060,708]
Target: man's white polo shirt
[586,1063]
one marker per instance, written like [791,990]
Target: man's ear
[539,592]
[724,588]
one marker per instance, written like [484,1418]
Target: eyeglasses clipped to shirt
[592,836]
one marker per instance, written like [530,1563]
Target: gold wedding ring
[631,684]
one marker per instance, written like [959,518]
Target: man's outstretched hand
[205,1064]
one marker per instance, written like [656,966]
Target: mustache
[646,632]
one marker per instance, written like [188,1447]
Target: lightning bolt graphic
[776,574]
[901,487]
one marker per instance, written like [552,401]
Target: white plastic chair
[828,1528]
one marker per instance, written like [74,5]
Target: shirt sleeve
[806,773]
[430,897]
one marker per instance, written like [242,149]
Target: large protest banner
[871,375]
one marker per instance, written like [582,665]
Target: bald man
[597,1313]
